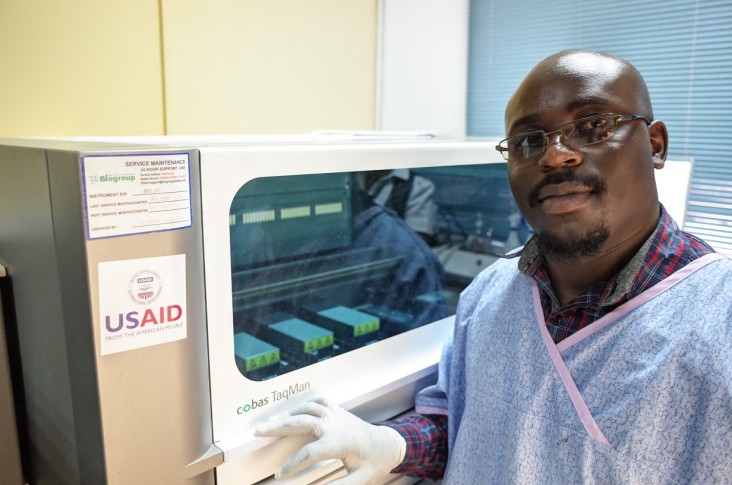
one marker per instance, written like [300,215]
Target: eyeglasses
[581,132]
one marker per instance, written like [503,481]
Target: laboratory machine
[170,293]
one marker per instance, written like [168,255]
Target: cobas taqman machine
[171,293]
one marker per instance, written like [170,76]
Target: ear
[658,134]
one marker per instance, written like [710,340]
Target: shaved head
[583,67]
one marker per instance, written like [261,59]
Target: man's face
[585,200]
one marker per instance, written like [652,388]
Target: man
[416,270]
[604,354]
[407,194]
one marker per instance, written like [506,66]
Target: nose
[557,154]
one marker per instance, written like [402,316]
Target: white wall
[80,67]
[142,67]
[422,71]
[272,66]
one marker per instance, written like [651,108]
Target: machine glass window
[323,264]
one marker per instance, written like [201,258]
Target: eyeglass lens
[584,131]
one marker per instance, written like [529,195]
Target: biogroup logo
[112,178]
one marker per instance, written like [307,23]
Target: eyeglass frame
[547,135]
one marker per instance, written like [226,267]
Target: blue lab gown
[644,395]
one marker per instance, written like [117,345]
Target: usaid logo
[142,302]
[144,287]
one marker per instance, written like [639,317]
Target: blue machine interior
[319,269]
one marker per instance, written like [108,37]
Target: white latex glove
[368,452]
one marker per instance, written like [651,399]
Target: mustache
[593,181]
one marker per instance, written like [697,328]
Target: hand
[368,452]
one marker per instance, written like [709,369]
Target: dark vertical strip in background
[16,370]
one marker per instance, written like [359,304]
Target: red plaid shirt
[666,251]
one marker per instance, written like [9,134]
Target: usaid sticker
[142,302]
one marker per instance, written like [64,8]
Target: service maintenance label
[134,194]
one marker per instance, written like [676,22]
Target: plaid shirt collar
[626,284]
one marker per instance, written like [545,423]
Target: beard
[572,248]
